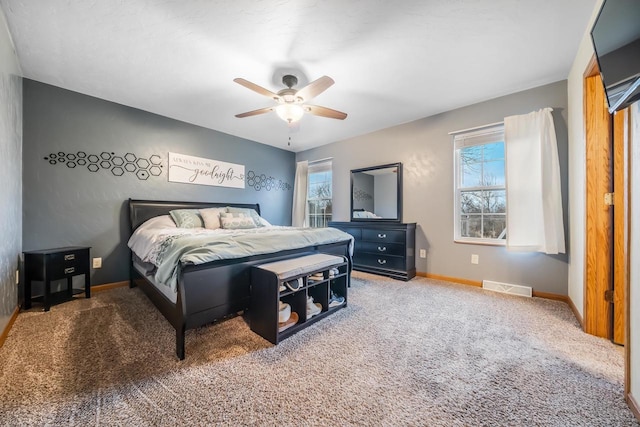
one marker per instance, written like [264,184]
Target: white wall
[577,164]
[10,172]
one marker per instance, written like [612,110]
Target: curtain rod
[320,160]
[476,128]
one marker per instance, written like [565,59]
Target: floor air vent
[507,288]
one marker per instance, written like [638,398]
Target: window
[319,198]
[480,199]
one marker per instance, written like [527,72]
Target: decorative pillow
[211,217]
[236,221]
[187,218]
[264,222]
[162,221]
[248,212]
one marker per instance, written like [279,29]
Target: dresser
[385,248]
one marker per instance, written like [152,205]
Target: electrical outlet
[97,263]
[423,253]
[475,259]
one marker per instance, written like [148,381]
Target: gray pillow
[236,221]
[187,218]
[251,213]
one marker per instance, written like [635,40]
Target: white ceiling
[392,61]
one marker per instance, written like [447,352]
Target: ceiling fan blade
[314,88]
[254,87]
[255,112]
[325,112]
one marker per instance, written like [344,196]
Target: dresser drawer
[388,262]
[382,248]
[387,236]
[68,263]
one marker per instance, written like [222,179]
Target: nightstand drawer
[68,263]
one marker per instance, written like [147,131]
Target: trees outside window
[319,194]
[480,210]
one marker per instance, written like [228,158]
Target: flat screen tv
[616,40]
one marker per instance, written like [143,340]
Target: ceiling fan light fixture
[290,113]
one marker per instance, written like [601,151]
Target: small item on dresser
[293,319]
[284,312]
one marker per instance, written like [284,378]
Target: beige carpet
[421,353]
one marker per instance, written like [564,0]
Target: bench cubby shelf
[269,286]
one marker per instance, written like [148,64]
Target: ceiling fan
[292,102]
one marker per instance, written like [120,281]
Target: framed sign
[198,170]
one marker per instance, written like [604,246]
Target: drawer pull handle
[69,270]
[382,261]
[382,249]
[70,257]
[382,236]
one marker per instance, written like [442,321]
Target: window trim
[482,135]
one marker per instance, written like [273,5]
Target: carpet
[419,353]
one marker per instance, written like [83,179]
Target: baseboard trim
[576,313]
[550,295]
[546,295]
[450,279]
[7,328]
[633,405]
[109,286]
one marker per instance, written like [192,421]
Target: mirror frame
[398,198]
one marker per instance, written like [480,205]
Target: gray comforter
[179,249]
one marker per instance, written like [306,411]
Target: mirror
[376,193]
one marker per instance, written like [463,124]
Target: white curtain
[534,200]
[299,209]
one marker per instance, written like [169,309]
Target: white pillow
[162,221]
[211,217]
[264,222]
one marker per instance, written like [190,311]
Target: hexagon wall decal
[118,164]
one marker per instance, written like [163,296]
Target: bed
[209,291]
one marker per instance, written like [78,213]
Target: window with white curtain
[480,186]
[319,194]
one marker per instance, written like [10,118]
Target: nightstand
[54,264]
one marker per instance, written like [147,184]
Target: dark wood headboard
[142,210]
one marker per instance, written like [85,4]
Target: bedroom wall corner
[10,173]
[84,158]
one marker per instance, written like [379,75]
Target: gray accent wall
[10,173]
[425,149]
[66,205]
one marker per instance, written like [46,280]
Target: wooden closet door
[599,220]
